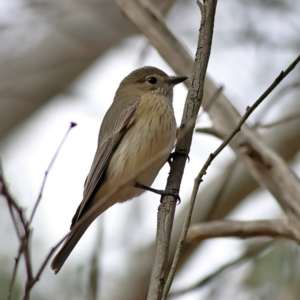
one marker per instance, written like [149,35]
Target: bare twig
[72,124]
[223,115]
[225,118]
[24,233]
[36,278]
[24,236]
[261,161]
[157,290]
[15,271]
[212,156]
[252,251]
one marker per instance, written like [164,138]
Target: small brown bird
[139,124]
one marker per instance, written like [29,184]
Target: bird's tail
[77,232]
[68,246]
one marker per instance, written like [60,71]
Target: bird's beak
[177,79]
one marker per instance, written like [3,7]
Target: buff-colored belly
[154,130]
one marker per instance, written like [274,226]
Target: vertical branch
[167,208]
[149,22]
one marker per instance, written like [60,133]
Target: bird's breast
[153,129]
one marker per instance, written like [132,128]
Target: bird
[139,124]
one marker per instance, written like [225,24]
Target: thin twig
[15,270]
[42,267]
[18,216]
[203,171]
[13,206]
[72,124]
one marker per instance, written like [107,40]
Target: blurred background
[61,61]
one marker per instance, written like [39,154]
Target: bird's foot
[173,193]
[180,152]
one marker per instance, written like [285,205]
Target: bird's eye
[152,80]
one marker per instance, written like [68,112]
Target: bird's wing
[108,141]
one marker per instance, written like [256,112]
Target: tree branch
[241,229]
[203,171]
[223,114]
[139,13]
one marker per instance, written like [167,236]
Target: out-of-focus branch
[252,250]
[227,228]
[208,130]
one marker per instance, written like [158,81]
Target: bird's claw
[177,153]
